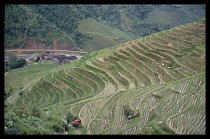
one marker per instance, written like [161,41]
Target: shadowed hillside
[151,85]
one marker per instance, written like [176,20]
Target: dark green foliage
[48,21]
[150,28]
[57,128]
[20,93]
[127,110]
[12,58]
[37,59]
[19,110]
[80,39]
[24,22]
[48,52]
[7,68]
[24,120]
[12,131]
[8,90]
[21,62]
[9,123]
[130,112]
[14,62]
[35,111]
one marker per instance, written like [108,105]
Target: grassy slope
[173,14]
[22,78]
[103,36]
[106,36]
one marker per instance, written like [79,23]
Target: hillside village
[61,58]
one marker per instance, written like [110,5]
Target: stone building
[64,59]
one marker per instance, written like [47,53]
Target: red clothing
[76,122]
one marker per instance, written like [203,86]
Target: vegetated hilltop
[90,27]
[151,85]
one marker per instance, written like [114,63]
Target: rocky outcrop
[38,44]
[35,44]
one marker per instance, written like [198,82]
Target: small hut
[44,56]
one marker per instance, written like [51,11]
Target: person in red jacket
[76,122]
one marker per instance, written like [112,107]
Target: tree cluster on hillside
[14,62]
[30,121]
[46,22]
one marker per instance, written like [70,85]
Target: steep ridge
[161,77]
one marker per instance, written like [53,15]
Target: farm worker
[68,120]
[76,122]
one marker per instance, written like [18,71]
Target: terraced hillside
[159,79]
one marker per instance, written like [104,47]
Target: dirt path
[8,72]
[5,73]
[19,51]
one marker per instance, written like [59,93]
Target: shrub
[146,131]
[129,112]
[21,62]
[12,131]
[35,111]
[37,59]
[19,110]
[48,52]
[58,128]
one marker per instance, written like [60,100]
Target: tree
[9,119]
[21,62]
[6,65]
[35,111]
[12,131]
[19,110]
[37,59]
[48,52]
[8,90]
[12,58]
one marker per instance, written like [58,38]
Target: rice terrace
[155,84]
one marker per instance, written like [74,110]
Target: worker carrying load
[76,122]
